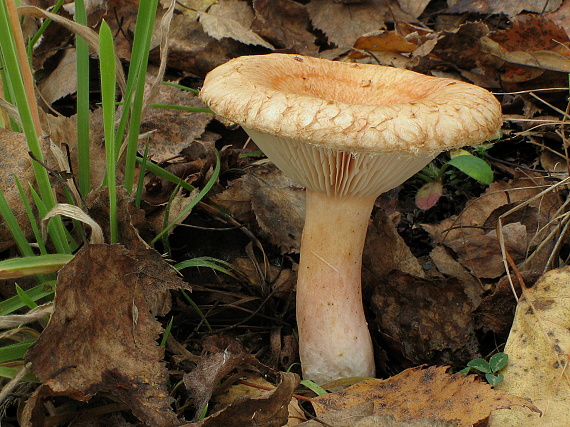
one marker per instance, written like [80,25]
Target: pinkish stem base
[334,339]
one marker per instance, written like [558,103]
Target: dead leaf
[385,250]
[193,51]
[61,81]
[284,23]
[233,19]
[413,7]
[100,344]
[472,234]
[268,408]
[344,23]
[508,7]
[530,45]
[538,349]
[15,162]
[427,320]
[384,41]
[172,130]
[268,200]
[429,393]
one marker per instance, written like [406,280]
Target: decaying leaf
[233,19]
[15,162]
[95,342]
[267,199]
[284,24]
[508,7]
[385,250]
[267,408]
[172,130]
[538,349]
[344,23]
[472,234]
[529,46]
[424,393]
[430,320]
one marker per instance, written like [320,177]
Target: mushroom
[347,132]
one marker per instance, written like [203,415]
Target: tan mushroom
[347,132]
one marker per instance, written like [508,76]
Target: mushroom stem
[333,333]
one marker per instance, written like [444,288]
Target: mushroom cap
[345,128]
[349,106]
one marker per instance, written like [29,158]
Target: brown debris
[101,287]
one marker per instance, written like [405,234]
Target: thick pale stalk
[333,334]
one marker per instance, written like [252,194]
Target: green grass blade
[183,108]
[208,262]
[138,196]
[108,92]
[83,149]
[194,202]
[14,351]
[9,44]
[198,311]
[25,298]
[136,80]
[9,372]
[42,29]
[36,293]
[163,173]
[166,332]
[32,218]
[14,227]
[179,86]
[31,265]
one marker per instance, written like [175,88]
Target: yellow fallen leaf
[538,348]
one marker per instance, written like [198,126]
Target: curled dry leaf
[268,408]
[539,349]
[472,234]
[267,200]
[424,393]
[106,338]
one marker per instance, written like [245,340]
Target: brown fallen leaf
[472,234]
[344,23]
[173,130]
[284,24]
[385,250]
[267,200]
[232,19]
[427,320]
[508,7]
[15,162]
[538,349]
[529,46]
[268,408]
[102,336]
[424,393]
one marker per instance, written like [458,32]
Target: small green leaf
[464,371]
[480,364]
[314,387]
[498,361]
[475,167]
[494,380]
